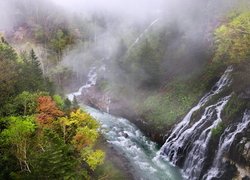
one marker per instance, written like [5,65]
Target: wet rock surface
[118,107]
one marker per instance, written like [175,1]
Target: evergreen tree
[8,69]
[75,104]
[67,105]
[31,76]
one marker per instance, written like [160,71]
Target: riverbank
[119,108]
[129,142]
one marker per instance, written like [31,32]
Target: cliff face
[235,159]
[239,155]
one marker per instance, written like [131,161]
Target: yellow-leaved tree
[81,130]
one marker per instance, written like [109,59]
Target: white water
[92,77]
[225,143]
[142,154]
[129,141]
[195,159]
[181,133]
[143,33]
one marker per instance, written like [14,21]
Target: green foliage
[164,109]
[54,159]
[67,105]
[19,129]
[59,101]
[81,130]
[17,135]
[75,104]
[60,75]
[51,152]
[17,75]
[233,39]
[8,72]
[27,149]
[234,108]
[218,130]
[30,76]
[7,53]
[26,103]
[93,158]
[60,41]
[144,65]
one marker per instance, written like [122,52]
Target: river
[130,142]
[141,153]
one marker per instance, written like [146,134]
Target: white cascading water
[92,77]
[196,156]
[129,142]
[127,139]
[182,133]
[225,143]
[143,33]
[108,104]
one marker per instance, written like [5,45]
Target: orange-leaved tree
[47,111]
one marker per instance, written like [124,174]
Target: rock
[246,151]
[246,178]
[125,135]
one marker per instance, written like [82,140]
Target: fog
[129,19]
[111,21]
[129,8]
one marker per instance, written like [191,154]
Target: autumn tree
[25,103]
[81,130]
[47,111]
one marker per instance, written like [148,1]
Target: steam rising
[114,20]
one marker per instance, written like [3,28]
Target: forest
[150,65]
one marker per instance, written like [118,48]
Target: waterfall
[195,159]
[225,143]
[108,104]
[187,145]
[181,134]
[142,34]
[127,140]
[92,77]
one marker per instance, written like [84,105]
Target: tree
[47,111]
[75,104]
[233,39]
[145,66]
[24,103]
[7,53]
[30,76]
[8,69]
[61,39]
[59,101]
[67,105]
[81,130]
[17,135]
[53,159]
